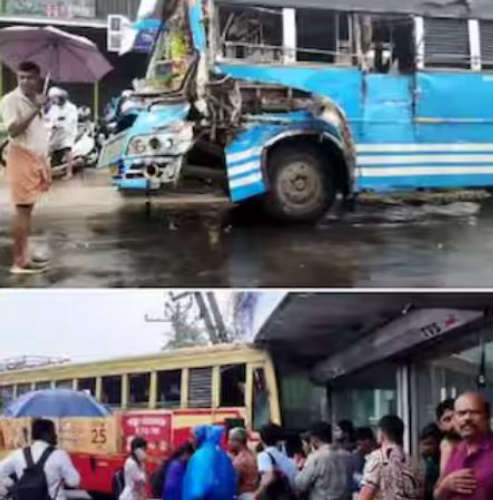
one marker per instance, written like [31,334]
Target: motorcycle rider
[62,118]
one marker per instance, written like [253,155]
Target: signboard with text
[57,9]
[97,436]
[155,428]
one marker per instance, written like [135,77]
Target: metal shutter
[486,37]
[447,43]
[128,8]
[200,388]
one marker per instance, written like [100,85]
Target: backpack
[400,479]
[279,488]
[32,485]
[118,483]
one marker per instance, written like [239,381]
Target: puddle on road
[407,214]
[425,245]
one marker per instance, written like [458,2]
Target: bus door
[453,125]
[387,44]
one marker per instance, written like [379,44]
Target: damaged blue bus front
[296,101]
[258,132]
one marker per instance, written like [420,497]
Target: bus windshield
[172,55]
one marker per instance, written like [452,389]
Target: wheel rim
[300,185]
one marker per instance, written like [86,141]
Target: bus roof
[172,360]
[476,9]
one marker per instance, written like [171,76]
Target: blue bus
[297,102]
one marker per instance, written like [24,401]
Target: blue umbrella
[55,403]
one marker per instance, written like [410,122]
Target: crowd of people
[455,462]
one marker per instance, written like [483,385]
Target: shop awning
[478,9]
[340,333]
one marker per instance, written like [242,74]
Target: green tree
[187,329]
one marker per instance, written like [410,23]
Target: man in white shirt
[62,118]
[58,468]
[27,171]
[272,459]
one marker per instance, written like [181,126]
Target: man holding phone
[28,173]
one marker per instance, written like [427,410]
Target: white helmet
[84,112]
[55,92]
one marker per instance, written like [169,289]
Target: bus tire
[302,189]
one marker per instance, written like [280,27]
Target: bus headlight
[138,146]
[155,144]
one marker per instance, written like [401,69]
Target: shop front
[379,354]
[457,366]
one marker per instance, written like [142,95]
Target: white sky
[94,324]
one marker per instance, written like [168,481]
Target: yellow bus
[186,381]
[226,384]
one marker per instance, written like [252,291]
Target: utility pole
[204,313]
[209,313]
[218,318]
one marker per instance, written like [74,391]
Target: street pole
[1,78]
[96,101]
[204,312]
[218,318]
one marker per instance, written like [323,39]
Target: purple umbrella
[62,57]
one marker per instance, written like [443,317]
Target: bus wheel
[301,187]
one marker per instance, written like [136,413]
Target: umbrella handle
[46,83]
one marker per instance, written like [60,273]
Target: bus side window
[251,33]
[323,36]
[112,390]
[387,43]
[261,408]
[486,44]
[23,388]
[446,43]
[45,384]
[200,387]
[169,389]
[233,379]
[88,385]
[6,395]
[64,384]
[139,389]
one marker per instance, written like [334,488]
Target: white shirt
[63,121]
[283,463]
[57,468]
[16,106]
[135,479]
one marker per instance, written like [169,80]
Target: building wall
[69,9]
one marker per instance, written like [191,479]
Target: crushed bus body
[299,102]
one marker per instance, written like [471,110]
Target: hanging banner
[57,9]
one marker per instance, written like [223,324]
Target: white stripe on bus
[246,181]
[424,147]
[243,155]
[246,167]
[423,159]
[414,171]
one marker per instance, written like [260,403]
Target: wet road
[97,239]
